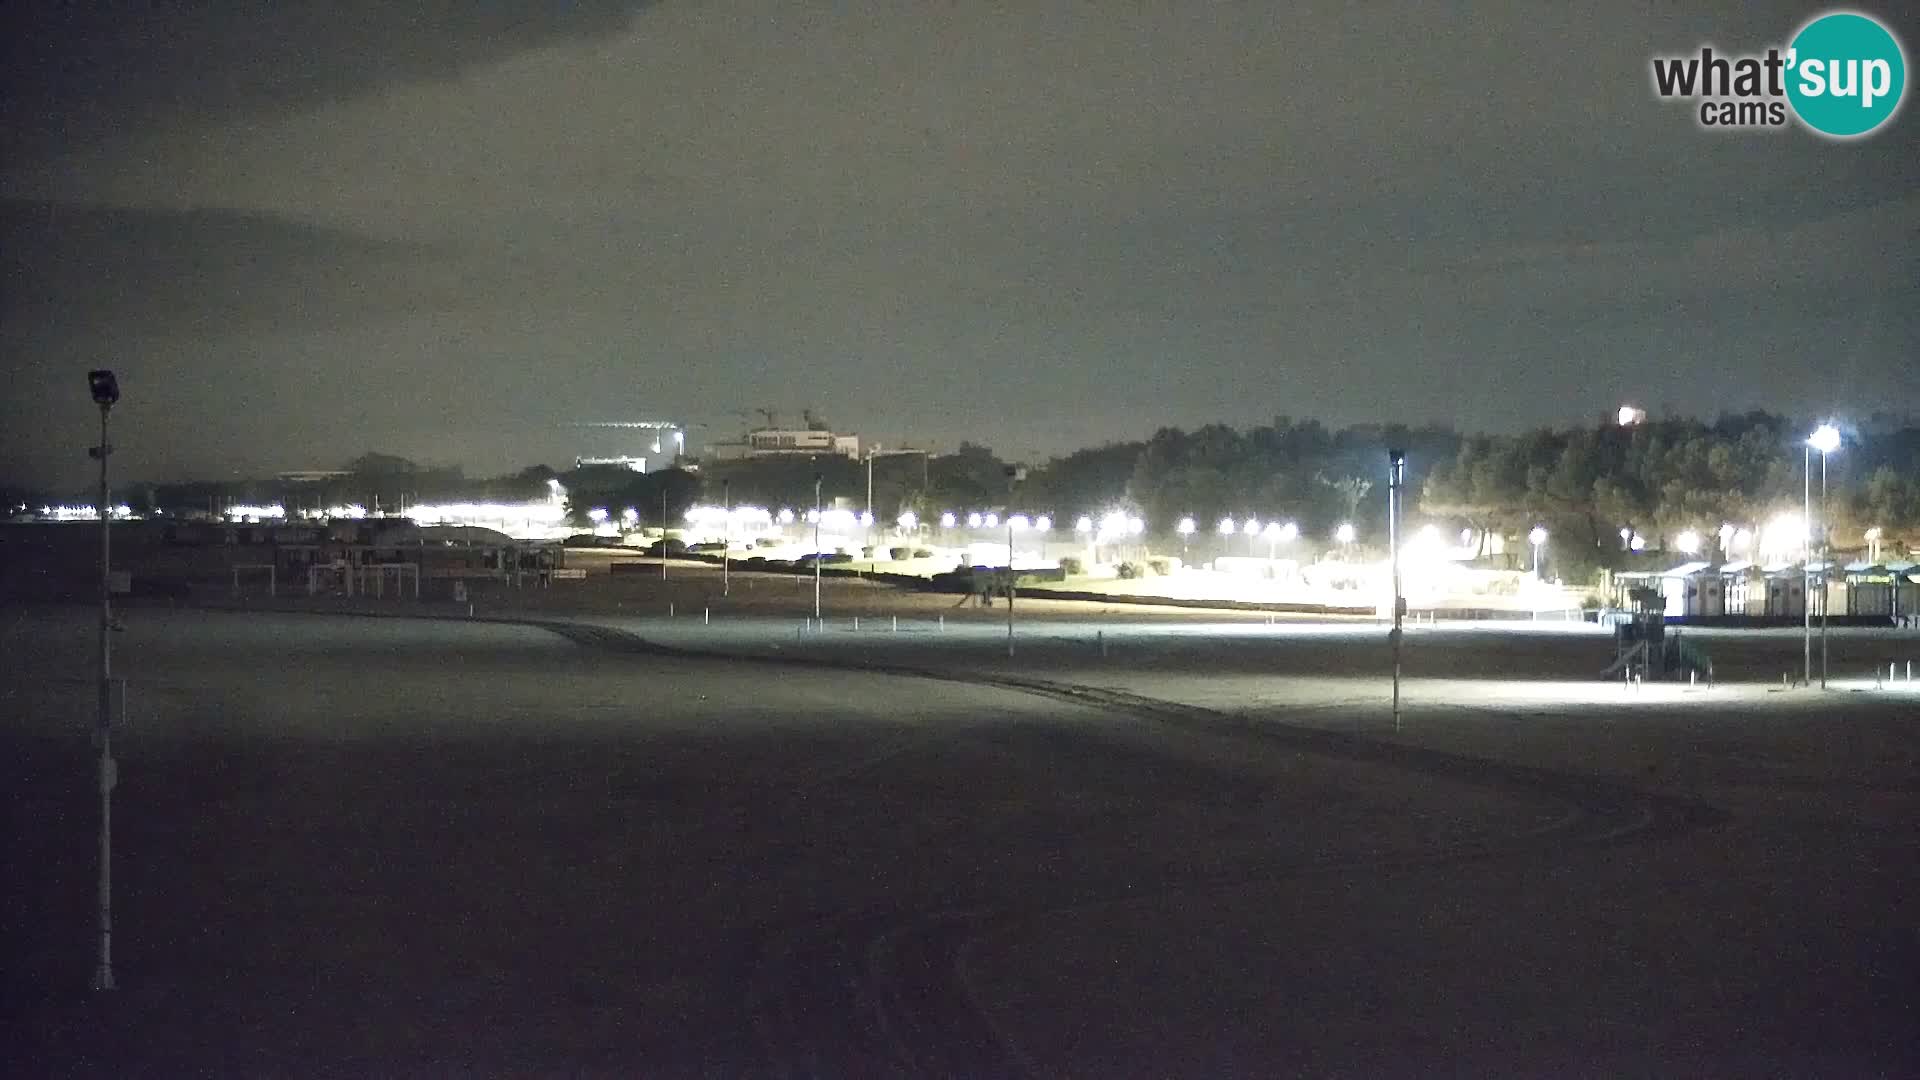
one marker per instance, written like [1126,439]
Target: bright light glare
[1136,526]
[597,515]
[785,516]
[631,516]
[991,521]
[1186,527]
[907,520]
[1227,526]
[1084,525]
[1825,438]
[1538,536]
[973,520]
[866,519]
[1018,522]
[1344,533]
[947,520]
[1638,542]
[1043,523]
[1251,526]
[1289,533]
[1688,542]
[1872,536]
[244,512]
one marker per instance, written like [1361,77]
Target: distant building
[790,442]
[314,476]
[637,464]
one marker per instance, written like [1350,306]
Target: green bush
[923,553]
[1072,566]
[1160,566]
[900,554]
[1130,570]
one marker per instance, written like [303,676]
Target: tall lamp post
[1538,537]
[726,541]
[106,392]
[1396,476]
[1185,529]
[816,547]
[1826,439]
[1015,523]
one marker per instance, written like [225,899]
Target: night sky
[412,229]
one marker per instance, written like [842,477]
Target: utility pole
[816,547]
[106,392]
[1806,572]
[1396,477]
[726,544]
[663,528]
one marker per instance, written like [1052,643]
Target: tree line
[1656,478]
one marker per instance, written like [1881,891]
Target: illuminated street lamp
[973,520]
[908,521]
[1826,439]
[1250,528]
[1538,537]
[1043,523]
[1872,537]
[1185,529]
[597,515]
[1344,533]
[106,393]
[1688,542]
[1273,532]
[947,520]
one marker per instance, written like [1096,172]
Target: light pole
[1084,527]
[1826,439]
[1015,523]
[816,547]
[1225,529]
[1251,528]
[1538,537]
[106,392]
[1185,529]
[663,528]
[726,540]
[1396,475]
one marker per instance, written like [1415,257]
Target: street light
[1688,542]
[1250,528]
[1826,439]
[973,520]
[816,548]
[947,520]
[1396,480]
[1538,537]
[1185,529]
[106,393]
[1344,533]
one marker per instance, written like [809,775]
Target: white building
[792,442]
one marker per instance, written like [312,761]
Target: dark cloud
[73,72]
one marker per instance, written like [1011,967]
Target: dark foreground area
[351,846]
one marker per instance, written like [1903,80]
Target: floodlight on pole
[947,520]
[816,548]
[1396,480]
[105,389]
[1826,439]
[1344,534]
[1688,542]
[1043,523]
[1538,538]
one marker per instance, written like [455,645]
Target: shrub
[1072,566]
[923,553]
[1160,566]
[900,554]
[1130,570]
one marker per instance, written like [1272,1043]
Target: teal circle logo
[1845,75]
